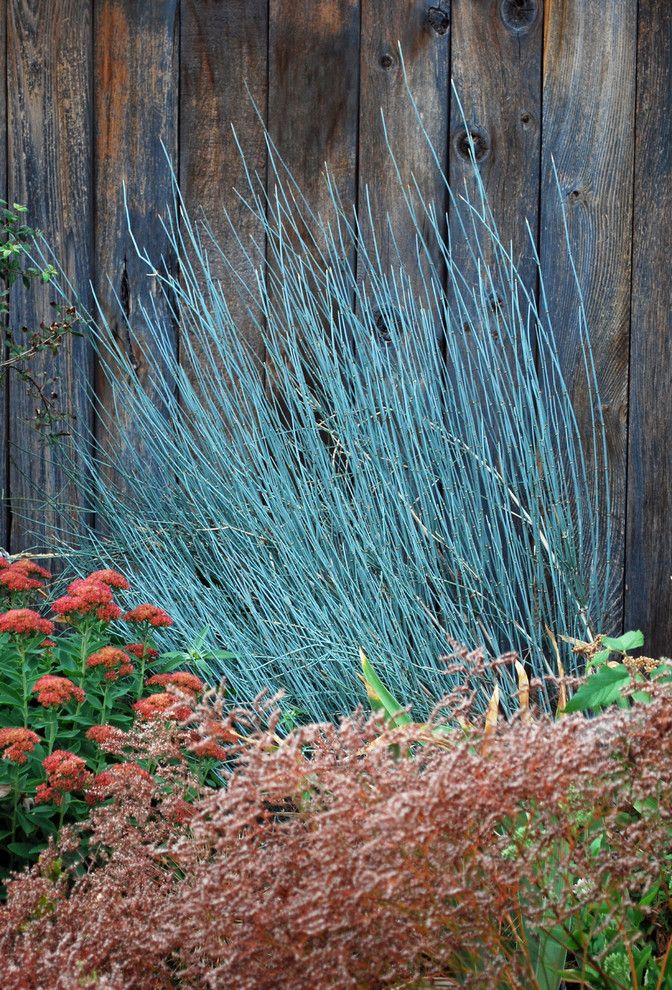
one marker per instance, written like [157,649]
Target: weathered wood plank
[218,83]
[496,70]
[313,93]
[49,169]
[4,395]
[136,100]
[588,129]
[648,597]
[425,45]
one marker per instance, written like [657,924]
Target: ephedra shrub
[402,464]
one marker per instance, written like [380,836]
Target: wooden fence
[93,90]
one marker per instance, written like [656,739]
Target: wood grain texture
[648,597]
[4,395]
[49,170]
[312,118]
[496,70]
[218,84]
[313,93]
[588,130]
[136,100]
[426,57]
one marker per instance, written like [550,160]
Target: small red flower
[117,663]
[149,613]
[162,706]
[113,579]
[44,794]
[25,621]
[139,650]
[103,733]
[208,748]
[30,567]
[66,773]
[13,580]
[181,811]
[108,613]
[52,691]
[108,737]
[17,743]
[47,644]
[85,596]
[119,777]
[22,575]
[180,679]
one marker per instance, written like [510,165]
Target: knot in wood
[473,141]
[383,324]
[519,15]
[387,60]
[438,19]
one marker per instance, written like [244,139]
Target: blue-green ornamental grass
[388,490]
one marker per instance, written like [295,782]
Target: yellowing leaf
[523,692]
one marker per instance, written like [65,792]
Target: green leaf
[601,688]
[599,658]
[22,849]
[380,697]
[628,641]
[8,696]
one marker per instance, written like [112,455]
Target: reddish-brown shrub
[355,857]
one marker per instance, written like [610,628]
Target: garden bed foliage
[367,854]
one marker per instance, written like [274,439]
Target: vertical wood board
[648,595]
[588,131]
[136,100]
[223,73]
[49,170]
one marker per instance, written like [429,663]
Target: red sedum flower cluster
[112,578]
[25,622]
[180,679]
[150,614]
[87,596]
[116,663]
[22,575]
[141,651]
[66,774]
[163,705]
[17,743]
[53,691]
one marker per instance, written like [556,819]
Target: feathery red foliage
[330,861]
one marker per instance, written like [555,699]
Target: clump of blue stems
[348,488]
